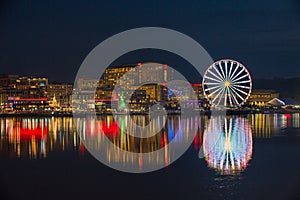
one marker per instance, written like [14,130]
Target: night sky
[52,37]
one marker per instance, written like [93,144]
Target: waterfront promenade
[240,111]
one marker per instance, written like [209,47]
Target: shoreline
[70,114]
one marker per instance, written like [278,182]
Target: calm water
[246,157]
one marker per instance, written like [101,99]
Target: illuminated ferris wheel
[227,83]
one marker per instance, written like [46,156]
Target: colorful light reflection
[228,144]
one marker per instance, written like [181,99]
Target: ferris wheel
[227,83]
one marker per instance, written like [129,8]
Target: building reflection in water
[95,130]
[35,137]
[268,125]
[227,144]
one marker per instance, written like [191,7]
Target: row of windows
[260,96]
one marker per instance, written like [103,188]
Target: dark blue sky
[52,37]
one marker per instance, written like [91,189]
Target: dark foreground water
[253,157]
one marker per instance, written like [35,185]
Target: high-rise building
[129,76]
[154,73]
[148,79]
[126,74]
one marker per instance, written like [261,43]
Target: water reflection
[269,125]
[115,130]
[141,153]
[227,144]
[37,137]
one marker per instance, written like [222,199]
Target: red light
[197,85]
[33,99]
[165,66]
[82,149]
[111,129]
[162,141]
[196,141]
[288,119]
[26,99]
[105,100]
[28,134]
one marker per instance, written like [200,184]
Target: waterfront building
[27,104]
[135,99]
[23,93]
[83,95]
[136,74]
[154,73]
[148,80]
[112,75]
[86,84]
[261,98]
[33,94]
[59,96]
[156,92]
[7,84]
[8,81]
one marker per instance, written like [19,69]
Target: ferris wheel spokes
[227,82]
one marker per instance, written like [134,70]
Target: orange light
[26,99]
[197,85]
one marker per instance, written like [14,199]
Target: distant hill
[287,87]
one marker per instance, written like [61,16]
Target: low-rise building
[260,98]
[59,96]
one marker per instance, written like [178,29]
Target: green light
[122,100]
[122,103]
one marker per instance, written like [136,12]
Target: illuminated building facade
[136,74]
[7,85]
[60,96]
[129,77]
[27,104]
[155,92]
[23,93]
[85,84]
[135,99]
[147,79]
[112,75]
[33,94]
[197,87]
[260,98]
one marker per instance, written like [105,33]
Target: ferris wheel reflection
[227,144]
